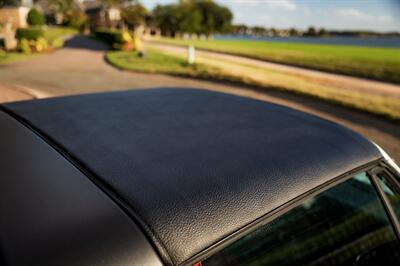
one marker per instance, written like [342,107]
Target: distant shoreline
[369,41]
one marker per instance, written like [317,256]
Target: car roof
[193,166]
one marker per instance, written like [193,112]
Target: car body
[185,177]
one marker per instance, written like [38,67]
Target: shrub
[126,37]
[35,17]
[36,46]
[117,39]
[128,46]
[41,45]
[110,36]
[43,38]
[77,19]
[24,46]
[31,33]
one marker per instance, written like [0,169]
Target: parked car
[190,177]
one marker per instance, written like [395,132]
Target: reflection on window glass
[391,190]
[345,225]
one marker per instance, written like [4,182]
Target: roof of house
[193,166]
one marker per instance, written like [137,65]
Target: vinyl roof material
[193,166]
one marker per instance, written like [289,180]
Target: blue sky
[378,15]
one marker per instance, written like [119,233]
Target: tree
[35,17]
[70,12]
[240,29]
[293,32]
[323,32]
[62,7]
[76,19]
[259,31]
[134,15]
[274,32]
[215,18]
[167,18]
[311,32]
[193,16]
[189,17]
[224,20]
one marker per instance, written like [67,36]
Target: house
[12,16]
[100,15]
[14,13]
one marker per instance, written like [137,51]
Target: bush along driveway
[35,40]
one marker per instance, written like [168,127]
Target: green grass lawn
[53,33]
[158,62]
[12,57]
[369,62]
[54,36]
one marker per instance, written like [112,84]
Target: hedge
[32,33]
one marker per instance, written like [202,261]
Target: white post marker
[191,55]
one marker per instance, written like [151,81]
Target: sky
[376,15]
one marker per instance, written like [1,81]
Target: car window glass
[345,225]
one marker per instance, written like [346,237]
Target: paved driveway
[80,68]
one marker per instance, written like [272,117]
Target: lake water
[393,42]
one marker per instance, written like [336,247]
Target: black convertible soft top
[193,166]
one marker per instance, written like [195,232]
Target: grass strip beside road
[159,62]
[368,62]
[13,57]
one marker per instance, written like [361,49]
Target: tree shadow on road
[84,42]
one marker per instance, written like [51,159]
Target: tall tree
[193,16]
[311,31]
[167,18]
[63,7]
[134,14]
[240,29]
[293,32]
[190,17]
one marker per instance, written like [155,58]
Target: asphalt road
[80,68]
